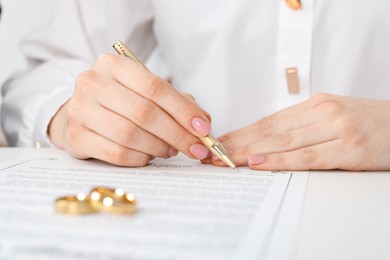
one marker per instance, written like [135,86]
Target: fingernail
[199,151]
[256,160]
[201,126]
[172,152]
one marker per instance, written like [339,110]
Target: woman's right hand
[123,114]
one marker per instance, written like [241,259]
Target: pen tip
[235,168]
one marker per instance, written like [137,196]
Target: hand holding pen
[123,114]
[213,144]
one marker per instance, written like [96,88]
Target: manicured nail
[256,160]
[201,126]
[172,152]
[199,151]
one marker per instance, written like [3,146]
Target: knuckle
[279,161]
[76,113]
[143,111]
[283,139]
[143,161]
[73,110]
[309,156]
[349,130]
[352,136]
[184,108]
[86,82]
[128,133]
[160,149]
[72,135]
[139,160]
[106,59]
[331,108]
[179,138]
[231,144]
[116,155]
[265,126]
[248,150]
[155,87]
[189,97]
[119,155]
[86,76]
[321,97]
[123,157]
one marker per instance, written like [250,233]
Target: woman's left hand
[323,132]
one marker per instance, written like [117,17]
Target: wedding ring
[74,204]
[112,200]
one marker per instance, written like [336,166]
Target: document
[185,210]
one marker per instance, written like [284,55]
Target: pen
[209,141]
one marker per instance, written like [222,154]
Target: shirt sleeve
[58,52]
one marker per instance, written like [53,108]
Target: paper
[185,211]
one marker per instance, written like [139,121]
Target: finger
[284,142]
[189,97]
[192,99]
[208,159]
[159,91]
[294,117]
[83,143]
[124,132]
[207,115]
[149,117]
[316,157]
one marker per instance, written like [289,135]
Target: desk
[345,216]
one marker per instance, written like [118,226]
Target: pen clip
[121,49]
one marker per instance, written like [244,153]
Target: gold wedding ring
[99,199]
[74,204]
[112,200]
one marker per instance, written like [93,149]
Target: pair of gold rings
[100,199]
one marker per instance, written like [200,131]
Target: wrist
[57,127]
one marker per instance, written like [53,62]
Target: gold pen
[209,141]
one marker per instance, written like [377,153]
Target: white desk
[346,215]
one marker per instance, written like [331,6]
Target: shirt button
[294,4]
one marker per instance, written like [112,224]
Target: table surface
[346,215]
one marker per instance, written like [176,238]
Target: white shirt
[231,55]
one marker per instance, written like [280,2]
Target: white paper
[282,241]
[185,211]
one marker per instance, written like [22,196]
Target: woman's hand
[123,114]
[324,132]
